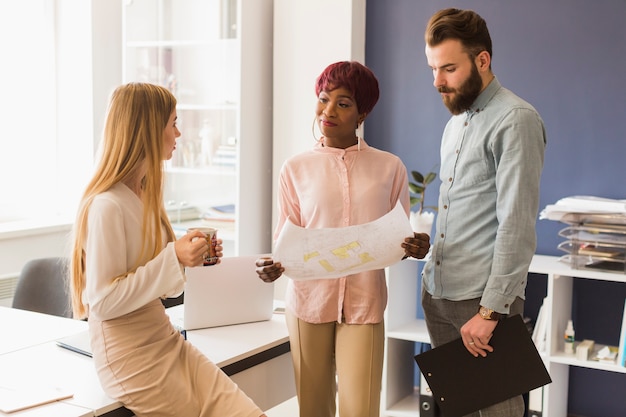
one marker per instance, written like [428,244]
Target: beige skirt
[144,363]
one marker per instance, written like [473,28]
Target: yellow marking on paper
[326,265]
[310,255]
[364,258]
[342,251]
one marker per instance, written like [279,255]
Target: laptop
[78,343]
[228,293]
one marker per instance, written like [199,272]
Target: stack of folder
[596,231]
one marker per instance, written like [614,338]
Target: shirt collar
[354,148]
[485,97]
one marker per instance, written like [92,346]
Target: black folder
[462,384]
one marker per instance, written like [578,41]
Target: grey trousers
[444,319]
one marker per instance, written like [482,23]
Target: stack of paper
[596,237]
[224,213]
[582,205]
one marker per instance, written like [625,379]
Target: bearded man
[492,154]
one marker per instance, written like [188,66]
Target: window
[47,127]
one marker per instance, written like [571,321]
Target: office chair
[42,287]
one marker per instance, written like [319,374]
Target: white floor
[288,408]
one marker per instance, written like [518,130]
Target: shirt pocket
[474,166]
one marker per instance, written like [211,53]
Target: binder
[535,403]
[513,368]
[621,351]
[428,405]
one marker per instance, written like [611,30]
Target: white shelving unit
[400,396]
[558,304]
[216,58]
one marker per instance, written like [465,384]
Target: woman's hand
[417,246]
[267,270]
[193,248]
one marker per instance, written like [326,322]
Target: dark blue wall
[568,59]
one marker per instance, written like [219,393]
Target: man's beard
[465,95]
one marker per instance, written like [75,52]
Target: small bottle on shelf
[569,337]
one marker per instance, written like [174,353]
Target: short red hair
[354,77]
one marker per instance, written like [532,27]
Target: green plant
[417,189]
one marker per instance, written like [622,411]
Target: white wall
[308,36]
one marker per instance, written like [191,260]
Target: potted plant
[421,220]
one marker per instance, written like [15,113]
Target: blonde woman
[125,259]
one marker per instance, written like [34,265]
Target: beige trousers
[337,360]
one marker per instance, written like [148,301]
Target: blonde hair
[132,142]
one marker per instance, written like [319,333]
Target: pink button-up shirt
[331,187]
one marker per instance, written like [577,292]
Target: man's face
[456,76]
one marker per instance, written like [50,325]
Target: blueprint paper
[337,252]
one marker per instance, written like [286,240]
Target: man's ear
[483,61]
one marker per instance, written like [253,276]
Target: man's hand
[476,334]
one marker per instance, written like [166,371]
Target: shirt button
[438,263]
[442,235]
[445,206]
[450,179]
[466,123]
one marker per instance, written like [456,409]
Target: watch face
[485,313]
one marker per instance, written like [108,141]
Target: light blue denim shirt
[491,161]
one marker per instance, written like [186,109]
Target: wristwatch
[488,314]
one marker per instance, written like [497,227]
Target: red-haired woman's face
[337,116]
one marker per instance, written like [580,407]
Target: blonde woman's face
[170,134]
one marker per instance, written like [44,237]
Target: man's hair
[355,77]
[464,25]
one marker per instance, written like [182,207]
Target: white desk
[56,409]
[255,355]
[21,328]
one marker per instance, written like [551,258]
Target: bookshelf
[216,57]
[400,396]
[558,306]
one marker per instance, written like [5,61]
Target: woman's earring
[313,130]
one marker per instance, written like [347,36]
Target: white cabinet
[216,57]
[400,397]
[558,304]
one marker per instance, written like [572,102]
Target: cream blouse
[112,247]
